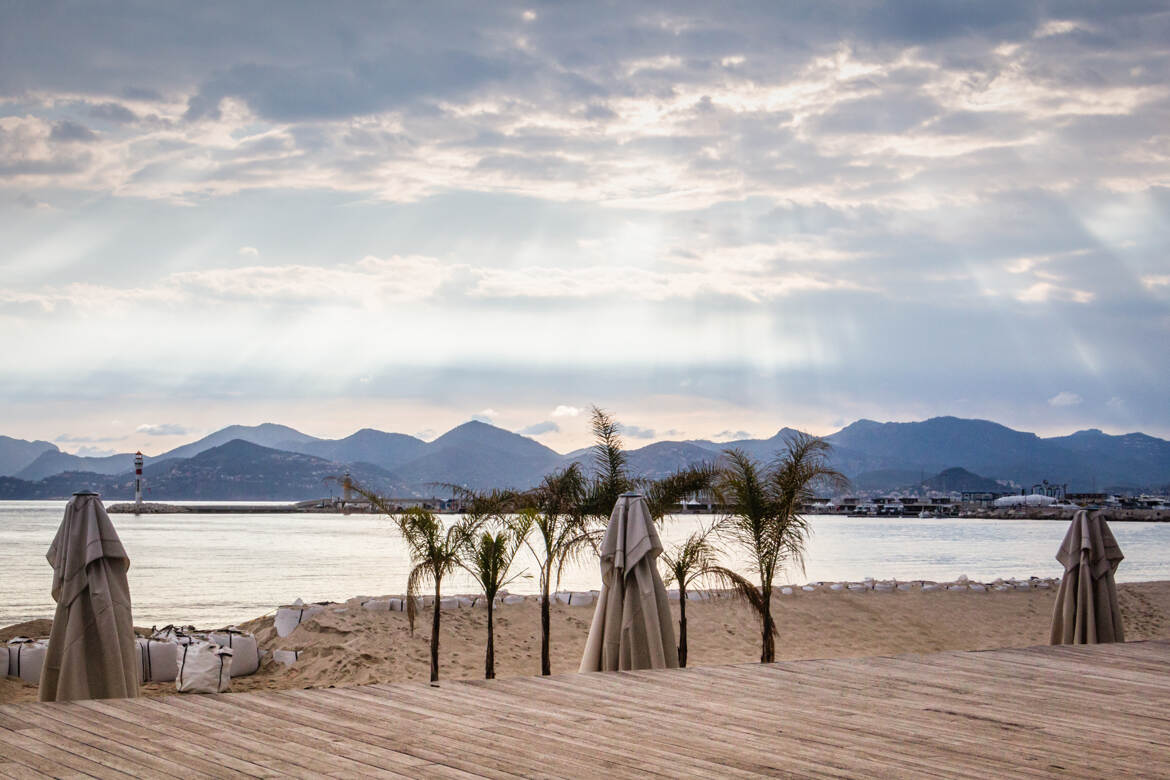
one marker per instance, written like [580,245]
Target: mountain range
[277,462]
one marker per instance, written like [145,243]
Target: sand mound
[348,645]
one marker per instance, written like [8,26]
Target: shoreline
[347,644]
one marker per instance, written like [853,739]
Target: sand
[357,646]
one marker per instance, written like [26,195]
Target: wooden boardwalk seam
[1087,711]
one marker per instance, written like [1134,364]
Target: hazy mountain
[387,450]
[886,479]
[237,470]
[56,462]
[15,454]
[956,479]
[1130,459]
[878,456]
[478,455]
[265,434]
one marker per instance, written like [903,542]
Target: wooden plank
[105,747]
[1019,712]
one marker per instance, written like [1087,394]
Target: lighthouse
[138,480]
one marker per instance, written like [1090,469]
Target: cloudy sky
[711,219]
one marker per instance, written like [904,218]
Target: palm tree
[685,564]
[434,553]
[489,555]
[555,518]
[764,519]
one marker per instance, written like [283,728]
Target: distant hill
[16,454]
[958,480]
[477,455]
[56,462]
[877,456]
[387,450]
[265,434]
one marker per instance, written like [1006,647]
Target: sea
[212,570]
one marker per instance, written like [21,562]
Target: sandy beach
[348,645]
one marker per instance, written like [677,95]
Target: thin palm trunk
[489,661]
[435,636]
[768,627]
[545,625]
[682,626]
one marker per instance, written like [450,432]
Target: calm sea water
[212,570]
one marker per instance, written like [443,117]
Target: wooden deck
[1087,711]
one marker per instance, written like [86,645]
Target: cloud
[730,435]
[1156,281]
[566,411]
[637,432]
[163,429]
[485,415]
[70,439]
[68,131]
[536,429]
[248,251]
[1064,399]
[88,451]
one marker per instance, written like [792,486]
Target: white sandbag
[286,657]
[465,602]
[25,657]
[4,659]
[977,587]
[583,598]
[183,635]
[956,587]
[885,587]
[698,595]
[515,599]
[808,588]
[858,586]
[204,667]
[672,594]
[786,591]
[245,649]
[905,586]
[377,605]
[1043,585]
[837,586]
[448,603]
[562,596]
[288,618]
[1002,588]
[931,586]
[158,660]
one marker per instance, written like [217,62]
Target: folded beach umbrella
[632,627]
[91,653]
[1086,605]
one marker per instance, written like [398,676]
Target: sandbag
[181,635]
[4,659]
[245,650]
[286,657]
[158,660]
[25,657]
[204,667]
[288,618]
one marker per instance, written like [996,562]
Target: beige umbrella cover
[632,626]
[1086,609]
[91,648]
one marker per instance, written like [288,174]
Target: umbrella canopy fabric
[91,653]
[1086,609]
[632,626]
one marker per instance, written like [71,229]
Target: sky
[713,220]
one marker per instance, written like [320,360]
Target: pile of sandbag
[24,658]
[164,654]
